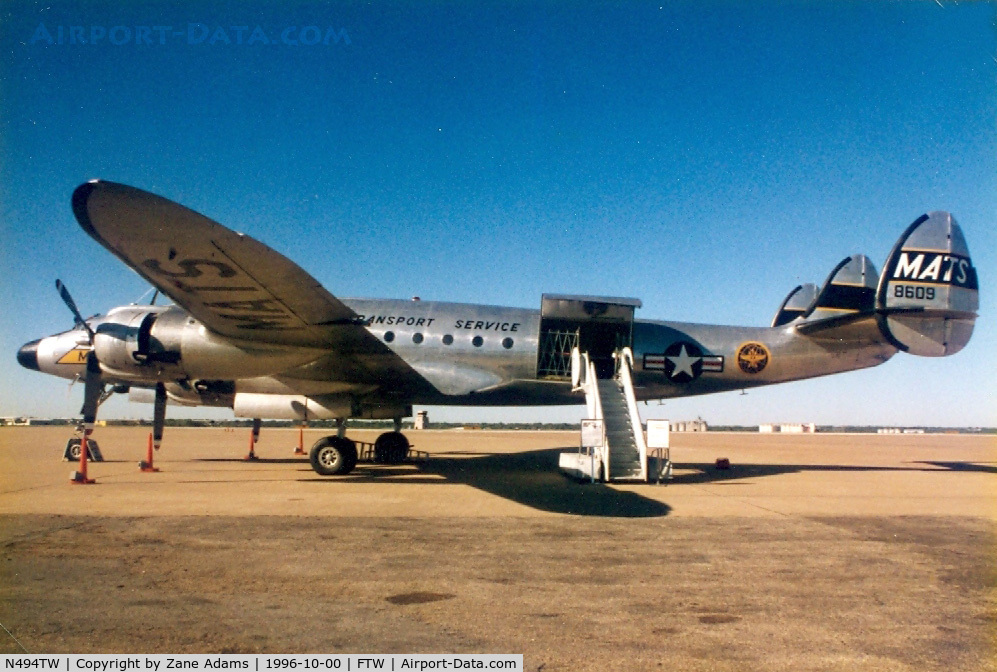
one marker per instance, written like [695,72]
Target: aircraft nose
[27,356]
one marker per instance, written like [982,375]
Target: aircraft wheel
[73,449]
[391,448]
[72,453]
[333,456]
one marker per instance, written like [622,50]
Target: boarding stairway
[613,446]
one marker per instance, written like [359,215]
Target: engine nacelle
[151,343]
[320,407]
[127,350]
[218,393]
[292,406]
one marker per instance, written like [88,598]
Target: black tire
[333,456]
[391,448]
[73,450]
[72,453]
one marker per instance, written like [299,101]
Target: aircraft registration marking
[248,312]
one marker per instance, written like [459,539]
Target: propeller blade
[68,300]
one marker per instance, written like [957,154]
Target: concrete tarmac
[826,552]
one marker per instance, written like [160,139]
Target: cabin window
[477,341]
[417,338]
[389,336]
[507,343]
[448,340]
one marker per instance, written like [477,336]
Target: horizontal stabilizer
[797,303]
[928,295]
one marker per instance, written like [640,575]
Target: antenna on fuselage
[152,302]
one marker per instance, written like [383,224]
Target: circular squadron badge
[753,357]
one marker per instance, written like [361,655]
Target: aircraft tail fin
[928,294]
[797,303]
[848,293]
[850,289]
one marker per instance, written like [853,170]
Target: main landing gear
[333,456]
[338,455]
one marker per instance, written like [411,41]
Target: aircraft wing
[233,284]
[240,288]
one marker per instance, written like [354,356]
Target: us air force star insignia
[683,362]
[752,357]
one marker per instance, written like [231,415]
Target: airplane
[252,331]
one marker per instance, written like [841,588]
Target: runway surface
[827,552]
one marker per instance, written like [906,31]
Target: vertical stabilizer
[797,304]
[928,294]
[849,289]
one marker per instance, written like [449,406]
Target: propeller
[93,386]
[95,391]
[67,298]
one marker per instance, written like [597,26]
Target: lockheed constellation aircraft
[252,331]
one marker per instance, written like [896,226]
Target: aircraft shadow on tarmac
[984,467]
[260,460]
[530,478]
[709,473]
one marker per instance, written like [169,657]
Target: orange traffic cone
[146,465]
[80,477]
[252,445]
[300,450]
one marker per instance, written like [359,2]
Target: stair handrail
[625,363]
[592,380]
[589,383]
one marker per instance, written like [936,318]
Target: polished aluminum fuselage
[254,331]
[438,354]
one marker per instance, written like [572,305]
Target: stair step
[623,453]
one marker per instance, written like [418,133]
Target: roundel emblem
[683,362]
[753,357]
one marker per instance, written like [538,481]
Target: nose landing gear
[74,447]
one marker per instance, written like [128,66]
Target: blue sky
[705,157]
